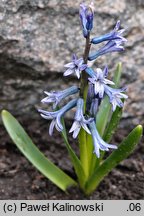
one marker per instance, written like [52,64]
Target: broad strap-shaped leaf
[124,150]
[74,159]
[103,115]
[112,126]
[32,153]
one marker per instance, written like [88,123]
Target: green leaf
[103,115]
[105,107]
[124,150]
[112,126]
[75,160]
[117,75]
[32,153]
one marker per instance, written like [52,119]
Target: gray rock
[37,37]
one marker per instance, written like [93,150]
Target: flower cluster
[98,85]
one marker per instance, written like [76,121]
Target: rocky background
[37,37]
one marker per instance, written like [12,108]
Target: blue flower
[92,101]
[79,120]
[94,107]
[99,143]
[90,96]
[76,66]
[90,72]
[56,96]
[115,96]
[86,17]
[111,46]
[57,115]
[113,35]
[99,81]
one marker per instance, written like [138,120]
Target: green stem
[91,155]
[83,152]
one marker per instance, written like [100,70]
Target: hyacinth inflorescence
[98,85]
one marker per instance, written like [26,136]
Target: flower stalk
[84,146]
[84,76]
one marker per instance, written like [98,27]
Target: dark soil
[20,180]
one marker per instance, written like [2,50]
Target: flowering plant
[98,102]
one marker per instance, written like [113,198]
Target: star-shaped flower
[76,66]
[56,96]
[115,34]
[79,120]
[111,46]
[99,80]
[99,143]
[114,44]
[57,115]
[115,96]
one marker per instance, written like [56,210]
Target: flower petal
[83,67]
[74,126]
[46,117]
[59,125]
[77,72]
[85,128]
[76,132]
[70,65]
[48,100]
[106,81]
[79,62]
[51,127]
[68,72]
[96,149]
